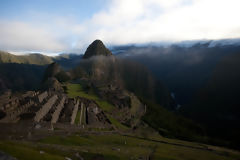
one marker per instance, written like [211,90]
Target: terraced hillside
[80,125]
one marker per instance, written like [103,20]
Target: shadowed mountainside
[203,80]
[120,73]
[20,76]
[97,48]
[219,101]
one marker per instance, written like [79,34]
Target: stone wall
[13,115]
[58,110]
[42,96]
[30,94]
[74,113]
[45,108]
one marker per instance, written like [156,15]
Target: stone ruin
[51,107]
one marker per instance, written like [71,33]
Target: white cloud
[19,36]
[126,21]
[140,21]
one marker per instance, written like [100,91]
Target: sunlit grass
[116,123]
[75,90]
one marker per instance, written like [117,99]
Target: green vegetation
[22,152]
[217,101]
[77,120]
[171,124]
[116,123]
[115,146]
[75,90]
[62,76]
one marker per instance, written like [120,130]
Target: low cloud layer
[18,36]
[123,22]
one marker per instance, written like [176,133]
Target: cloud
[140,21]
[19,36]
[123,22]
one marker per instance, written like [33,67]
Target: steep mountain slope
[108,75]
[25,72]
[184,70]
[20,76]
[219,102]
[203,80]
[97,48]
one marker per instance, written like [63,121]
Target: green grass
[116,123]
[70,141]
[125,147]
[100,129]
[111,147]
[22,152]
[75,90]
[77,120]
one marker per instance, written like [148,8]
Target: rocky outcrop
[97,48]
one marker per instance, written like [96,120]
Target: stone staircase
[45,108]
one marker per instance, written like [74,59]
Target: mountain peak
[97,48]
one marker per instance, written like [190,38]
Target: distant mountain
[37,59]
[97,48]
[67,61]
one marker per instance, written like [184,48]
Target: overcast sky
[54,26]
